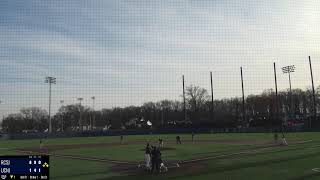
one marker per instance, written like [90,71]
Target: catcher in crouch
[163,168]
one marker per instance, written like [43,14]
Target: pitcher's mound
[163,149]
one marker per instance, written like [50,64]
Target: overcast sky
[130,52]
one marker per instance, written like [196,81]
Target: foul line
[225,155]
[254,151]
[82,158]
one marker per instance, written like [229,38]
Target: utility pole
[277,101]
[61,102]
[2,115]
[80,118]
[162,120]
[184,100]
[243,103]
[212,106]
[50,80]
[93,113]
[313,96]
[288,70]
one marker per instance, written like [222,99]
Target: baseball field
[238,156]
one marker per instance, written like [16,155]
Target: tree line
[261,110]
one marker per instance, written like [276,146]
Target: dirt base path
[52,148]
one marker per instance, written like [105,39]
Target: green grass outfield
[229,156]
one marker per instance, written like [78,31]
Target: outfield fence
[151,131]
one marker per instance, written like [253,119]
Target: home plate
[176,165]
[316,169]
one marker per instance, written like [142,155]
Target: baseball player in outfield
[121,139]
[275,138]
[178,140]
[284,141]
[41,144]
[161,143]
[192,136]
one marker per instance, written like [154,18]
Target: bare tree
[35,118]
[196,97]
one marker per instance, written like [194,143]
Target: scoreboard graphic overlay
[24,167]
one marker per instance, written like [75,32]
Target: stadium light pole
[211,96]
[243,103]
[184,100]
[93,113]
[61,102]
[288,70]
[50,80]
[313,95]
[80,118]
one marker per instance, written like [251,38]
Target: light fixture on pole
[50,80]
